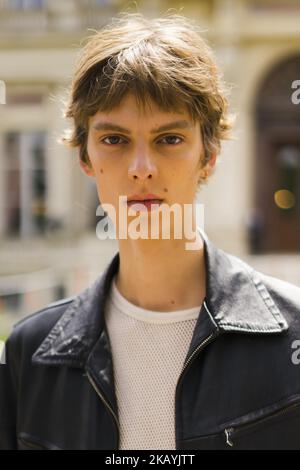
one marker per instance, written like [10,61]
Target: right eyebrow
[110,126]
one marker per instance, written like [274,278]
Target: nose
[142,165]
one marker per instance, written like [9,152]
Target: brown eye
[170,139]
[114,140]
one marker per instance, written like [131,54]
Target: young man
[170,348]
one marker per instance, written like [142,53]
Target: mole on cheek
[101,171]
[165,190]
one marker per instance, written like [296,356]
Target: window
[11,302]
[25,183]
[26,4]
[24,99]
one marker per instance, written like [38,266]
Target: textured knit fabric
[148,350]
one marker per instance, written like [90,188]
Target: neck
[160,274]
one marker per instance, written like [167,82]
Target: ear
[212,161]
[207,170]
[87,168]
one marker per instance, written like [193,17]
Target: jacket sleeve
[8,398]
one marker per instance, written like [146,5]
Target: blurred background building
[48,244]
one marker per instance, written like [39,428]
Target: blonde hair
[164,59]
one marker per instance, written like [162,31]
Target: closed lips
[146,197]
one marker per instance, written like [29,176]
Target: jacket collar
[236,301]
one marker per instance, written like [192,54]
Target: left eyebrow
[110,126]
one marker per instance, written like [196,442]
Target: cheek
[94,155]
[189,166]
[97,162]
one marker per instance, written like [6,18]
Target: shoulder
[51,310]
[285,294]
[28,332]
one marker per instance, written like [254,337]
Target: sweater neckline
[152,316]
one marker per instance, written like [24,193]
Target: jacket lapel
[236,295]
[74,336]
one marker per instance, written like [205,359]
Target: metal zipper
[106,404]
[206,341]
[228,432]
[190,359]
[233,431]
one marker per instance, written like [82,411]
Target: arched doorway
[277,168]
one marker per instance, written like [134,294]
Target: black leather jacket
[239,387]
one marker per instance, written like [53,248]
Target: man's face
[140,158]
